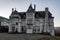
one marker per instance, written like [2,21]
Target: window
[29,20]
[16,30]
[29,27]
[38,29]
[34,30]
[16,23]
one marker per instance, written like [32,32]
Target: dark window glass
[16,23]
[34,30]
[38,29]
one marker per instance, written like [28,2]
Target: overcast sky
[22,5]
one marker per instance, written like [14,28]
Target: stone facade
[31,21]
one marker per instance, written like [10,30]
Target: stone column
[41,28]
[19,25]
[52,30]
[9,28]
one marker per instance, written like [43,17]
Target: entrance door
[29,31]
[23,29]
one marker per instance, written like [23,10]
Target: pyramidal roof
[30,9]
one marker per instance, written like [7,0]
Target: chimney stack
[12,9]
[34,7]
[46,11]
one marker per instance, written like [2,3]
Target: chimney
[34,7]
[12,9]
[46,11]
[46,24]
[15,9]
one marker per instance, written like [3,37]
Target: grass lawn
[6,36]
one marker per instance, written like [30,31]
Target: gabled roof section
[2,18]
[30,9]
[39,14]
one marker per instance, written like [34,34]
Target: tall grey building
[32,21]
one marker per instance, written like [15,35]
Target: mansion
[31,21]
